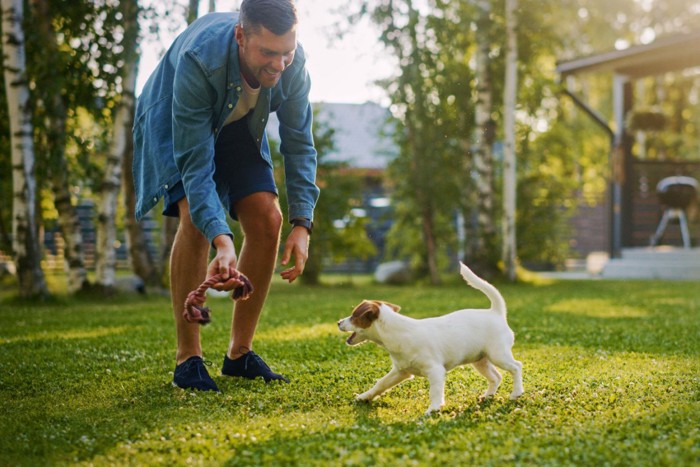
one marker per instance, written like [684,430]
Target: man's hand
[224,263]
[297,245]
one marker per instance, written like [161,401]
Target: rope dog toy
[196,312]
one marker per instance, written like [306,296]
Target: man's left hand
[297,246]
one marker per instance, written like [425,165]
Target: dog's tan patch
[365,313]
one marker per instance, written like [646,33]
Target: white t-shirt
[246,103]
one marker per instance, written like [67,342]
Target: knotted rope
[196,312]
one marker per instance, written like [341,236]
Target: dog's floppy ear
[365,313]
[396,308]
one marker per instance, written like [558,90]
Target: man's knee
[262,219]
[269,223]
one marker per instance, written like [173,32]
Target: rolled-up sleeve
[297,146]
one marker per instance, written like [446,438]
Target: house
[630,214]
[363,140]
[359,130]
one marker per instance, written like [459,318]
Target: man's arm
[193,146]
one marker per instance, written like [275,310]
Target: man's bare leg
[261,221]
[188,268]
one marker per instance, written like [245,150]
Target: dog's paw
[432,410]
[515,394]
[364,397]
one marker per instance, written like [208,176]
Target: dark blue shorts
[239,170]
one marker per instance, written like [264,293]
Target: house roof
[360,133]
[663,55]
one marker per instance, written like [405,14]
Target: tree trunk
[106,259]
[26,246]
[68,220]
[192,11]
[105,253]
[509,160]
[482,242]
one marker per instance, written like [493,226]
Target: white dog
[433,346]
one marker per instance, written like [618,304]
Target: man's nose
[279,64]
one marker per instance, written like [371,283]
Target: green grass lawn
[611,374]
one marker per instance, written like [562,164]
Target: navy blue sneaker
[191,374]
[250,366]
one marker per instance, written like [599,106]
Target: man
[200,143]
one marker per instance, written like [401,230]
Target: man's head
[266,37]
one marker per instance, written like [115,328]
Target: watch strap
[302,222]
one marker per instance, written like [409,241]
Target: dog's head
[359,323]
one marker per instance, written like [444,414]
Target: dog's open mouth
[352,336]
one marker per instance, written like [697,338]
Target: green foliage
[87,39]
[610,372]
[428,95]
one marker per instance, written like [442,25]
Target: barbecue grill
[676,194]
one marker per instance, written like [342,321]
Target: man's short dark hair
[277,16]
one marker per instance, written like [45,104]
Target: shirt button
[155,199]
[238,88]
[230,106]
[166,186]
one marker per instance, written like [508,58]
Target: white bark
[25,241]
[106,260]
[483,233]
[509,160]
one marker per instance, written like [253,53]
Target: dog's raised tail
[498,304]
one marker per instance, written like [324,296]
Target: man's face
[264,56]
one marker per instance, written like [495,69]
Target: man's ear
[239,34]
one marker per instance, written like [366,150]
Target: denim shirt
[183,107]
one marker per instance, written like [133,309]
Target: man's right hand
[224,263]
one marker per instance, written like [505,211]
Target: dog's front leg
[436,377]
[385,383]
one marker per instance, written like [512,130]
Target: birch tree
[481,238]
[123,117]
[509,161]
[25,240]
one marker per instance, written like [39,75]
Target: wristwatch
[302,222]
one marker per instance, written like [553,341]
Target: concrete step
[662,253]
[655,263]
